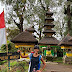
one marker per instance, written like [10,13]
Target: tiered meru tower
[48,32]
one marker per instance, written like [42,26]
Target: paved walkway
[55,67]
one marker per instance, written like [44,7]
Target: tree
[57,8]
[33,12]
[16,12]
[12,33]
[36,17]
[41,8]
[26,9]
[68,12]
[11,47]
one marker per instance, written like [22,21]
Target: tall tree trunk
[21,24]
[40,35]
[69,18]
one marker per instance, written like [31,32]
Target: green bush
[2,62]
[54,59]
[17,66]
[11,47]
[48,58]
[58,59]
[4,70]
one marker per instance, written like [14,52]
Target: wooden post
[42,51]
[7,50]
[6,38]
[31,48]
[7,53]
[6,41]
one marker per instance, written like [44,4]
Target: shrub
[2,62]
[11,47]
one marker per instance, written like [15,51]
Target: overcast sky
[1,8]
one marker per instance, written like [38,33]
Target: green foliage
[58,60]
[71,27]
[67,31]
[22,65]
[31,10]
[59,49]
[2,62]
[16,66]
[15,10]
[18,71]
[4,70]
[68,17]
[54,59]
[12,33]
[13,63]
[11,47]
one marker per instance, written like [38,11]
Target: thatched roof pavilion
[48,41]
[31,29]
[24,39]
[66,42]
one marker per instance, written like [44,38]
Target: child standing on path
[35,59]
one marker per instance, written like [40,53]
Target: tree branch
[42,5]
[37,33]
[18,25]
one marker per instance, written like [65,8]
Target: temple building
[25,42]
[31,30]
[66,45]
[48,39]
[25,38]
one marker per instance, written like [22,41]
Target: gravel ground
[57,67]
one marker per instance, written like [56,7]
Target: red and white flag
[2,29]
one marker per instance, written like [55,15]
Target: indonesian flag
[2,29]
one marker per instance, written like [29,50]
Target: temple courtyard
[50,67]
[55,67]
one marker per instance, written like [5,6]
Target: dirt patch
[58,68]
[17,68]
